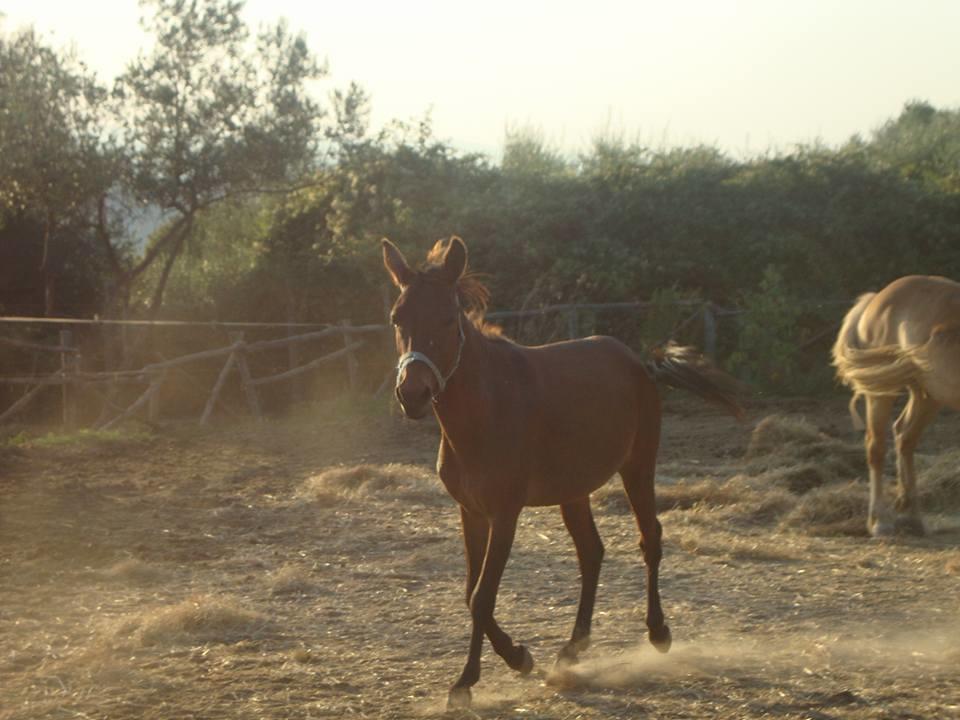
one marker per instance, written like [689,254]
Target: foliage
[274,208]
[205,118]
[55,164]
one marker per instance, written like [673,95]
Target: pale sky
[745,75]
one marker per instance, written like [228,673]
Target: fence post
[293,357]
[352,365]
[709,331]
[67,369]
[572,325]
[236,338]
[153,406]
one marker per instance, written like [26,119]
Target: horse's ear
[454,259]
[396,264]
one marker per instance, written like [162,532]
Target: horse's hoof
[459,698]
[661,639]
[525,666]
[909,525]
[563,674]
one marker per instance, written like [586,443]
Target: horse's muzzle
[414,394]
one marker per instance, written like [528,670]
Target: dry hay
[195,621]
[393,481]
[938,487]
[833,510]
[290,579]
[739,501]
[798,456]
[133,571]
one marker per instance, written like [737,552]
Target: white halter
[442,379]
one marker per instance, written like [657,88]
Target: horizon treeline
[272,204]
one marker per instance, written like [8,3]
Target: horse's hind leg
[638,476]
[476,531]
[879,410]
[579,521]
[916,416]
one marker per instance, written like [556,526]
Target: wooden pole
[67,368]
[293,358]
[20,404]
[215,394]
[253,402]
[353,367]
[572,329]
[153,409]
[138,403]
[709,332]
[309,366]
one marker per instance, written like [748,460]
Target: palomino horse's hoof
[459,698]
[661,639]
[525,666]
[909,525]
[881,528]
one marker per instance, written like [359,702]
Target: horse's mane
[473,294]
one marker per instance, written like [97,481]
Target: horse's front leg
[502,530]
[476,535]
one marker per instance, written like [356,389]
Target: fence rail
[70,376]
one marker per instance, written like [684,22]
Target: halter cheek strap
[414,356]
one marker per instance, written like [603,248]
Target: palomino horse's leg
[879,410]
[502,531]
[579,521]
[916,416]
[476,533]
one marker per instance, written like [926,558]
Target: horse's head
[428,323]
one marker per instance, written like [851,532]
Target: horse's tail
[685,368]
[883,370]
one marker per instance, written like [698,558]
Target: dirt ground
[311,567]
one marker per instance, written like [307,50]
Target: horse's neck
[464,409]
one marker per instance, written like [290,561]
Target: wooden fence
[70,375]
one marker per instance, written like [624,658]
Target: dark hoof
[525,665]
[458,698]
[660,637]
[909,525]
[570,653]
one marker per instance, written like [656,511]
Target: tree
[209,117]
[55,164]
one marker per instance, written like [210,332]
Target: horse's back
[907,334]
[587,397]
[907,311]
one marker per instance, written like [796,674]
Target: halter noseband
[414,356]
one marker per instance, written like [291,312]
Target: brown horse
[905,338]
[524,426]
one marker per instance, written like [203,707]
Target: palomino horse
[904,338]
[524,426]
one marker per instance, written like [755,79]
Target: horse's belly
[559,490]
[942,378]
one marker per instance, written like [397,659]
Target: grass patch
[74,438]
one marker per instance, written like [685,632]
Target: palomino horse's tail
[685,368]
[883,370]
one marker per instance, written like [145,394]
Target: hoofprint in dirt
[313,568]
